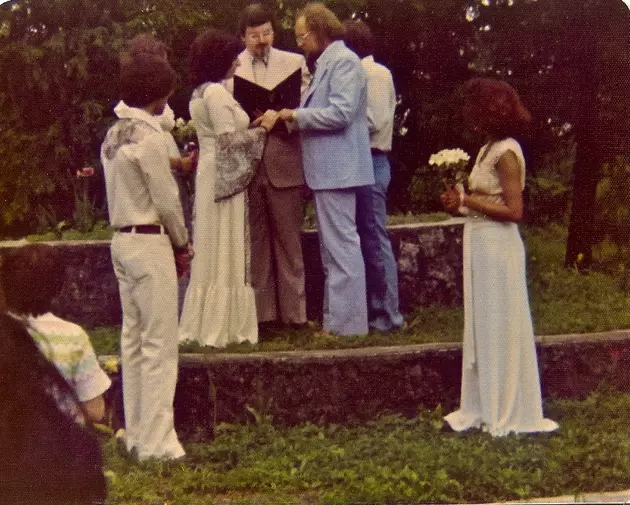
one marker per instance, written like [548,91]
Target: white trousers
[145,269]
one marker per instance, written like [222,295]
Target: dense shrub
[547,201]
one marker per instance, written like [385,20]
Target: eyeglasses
[259,36]
[300,38]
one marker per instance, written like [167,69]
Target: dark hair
[145,78]
[145,43]
[253,15]
[322,21]
[359,38]
[211,55]
[494,107]
[47,457]
[32,275]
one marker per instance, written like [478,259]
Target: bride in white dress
[500,379]
[219,308]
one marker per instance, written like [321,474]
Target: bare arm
[94,409]
[510,180]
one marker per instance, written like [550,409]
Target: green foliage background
[58,86]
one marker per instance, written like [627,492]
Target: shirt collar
[368,59]
[263,59]
[329,52]
[123,111]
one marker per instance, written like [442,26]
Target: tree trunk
[586,173]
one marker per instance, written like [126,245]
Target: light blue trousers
[345,305]
[380,264]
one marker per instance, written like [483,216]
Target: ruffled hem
[462,421]
[219,315]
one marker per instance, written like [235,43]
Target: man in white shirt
[275,194]
[150,239]
[380,264]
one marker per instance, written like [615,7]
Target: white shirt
[68,347]
[138,179]
[381,104]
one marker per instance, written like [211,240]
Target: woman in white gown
[219,308]
[500,379]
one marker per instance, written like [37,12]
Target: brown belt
[152,229]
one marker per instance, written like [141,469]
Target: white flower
[180,122]
[447,157]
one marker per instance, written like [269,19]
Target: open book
[255,99]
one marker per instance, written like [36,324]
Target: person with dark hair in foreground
[32,275]
[150,245]
[220,306]
[381,271]
[47,457]
[500,379]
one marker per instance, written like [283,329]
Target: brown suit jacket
[282,159]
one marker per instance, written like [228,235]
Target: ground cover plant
[389,460]
[563,301]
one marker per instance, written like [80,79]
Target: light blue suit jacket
[333,123]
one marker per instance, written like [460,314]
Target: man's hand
[183,257]
[267,120]
[286,114]
[451,200]
[188,163]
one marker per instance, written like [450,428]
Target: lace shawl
[238,155]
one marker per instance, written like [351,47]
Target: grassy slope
[391,460]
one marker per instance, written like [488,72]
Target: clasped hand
[451,199]
[183,258]
[269,118]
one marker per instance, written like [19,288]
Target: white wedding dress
[220,307]
[500,379]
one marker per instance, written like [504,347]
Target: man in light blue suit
[336,155]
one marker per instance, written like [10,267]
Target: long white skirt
[220,307]
[500,380]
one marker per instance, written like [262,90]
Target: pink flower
[85,172]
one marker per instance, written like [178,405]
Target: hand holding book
[254,98]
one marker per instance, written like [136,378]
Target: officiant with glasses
[269,78]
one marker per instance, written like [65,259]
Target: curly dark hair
[359,38]
[495,108]
[211,55]
[32,275]
[145,43]
[144,78]
[256,14]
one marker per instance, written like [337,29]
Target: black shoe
[264,326]
[298,326]
[446,428]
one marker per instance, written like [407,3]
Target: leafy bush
[612,218]
[425,190]
[547,201]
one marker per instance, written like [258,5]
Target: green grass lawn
[563,301]
[390,460]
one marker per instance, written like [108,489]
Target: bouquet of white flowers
[451,163]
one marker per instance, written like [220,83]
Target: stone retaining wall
[347,386]
[429,261]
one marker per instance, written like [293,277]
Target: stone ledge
[355,385]
[429,257]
